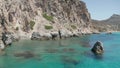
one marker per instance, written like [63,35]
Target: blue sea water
[68,53]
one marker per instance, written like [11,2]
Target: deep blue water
[68,53]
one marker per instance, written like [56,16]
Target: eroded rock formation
[98,48]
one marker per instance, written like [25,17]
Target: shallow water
[69,53]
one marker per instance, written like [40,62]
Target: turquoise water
[69,53]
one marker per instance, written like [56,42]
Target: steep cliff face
[23,17]
[66,11]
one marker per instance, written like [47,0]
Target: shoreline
[37,36]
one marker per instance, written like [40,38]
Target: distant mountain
[114,19]
[110,24]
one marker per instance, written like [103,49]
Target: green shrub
[49,18]
[32,23]
[73,26]
[17,28]
[48,27]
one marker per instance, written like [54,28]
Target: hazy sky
[102,9]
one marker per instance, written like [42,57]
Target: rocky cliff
[23,17]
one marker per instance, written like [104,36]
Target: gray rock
[98,48]
[15,37]
[75,34]
[66,34]
[36,36]
[7,38]
[54,35]
[2,46]
[8,41]
[47,36]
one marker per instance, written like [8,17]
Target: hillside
[110,24]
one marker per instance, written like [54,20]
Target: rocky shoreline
[7,38]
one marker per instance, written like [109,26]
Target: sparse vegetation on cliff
[48,27]
[48,17]
[73,27]
[17,28]
[32,23]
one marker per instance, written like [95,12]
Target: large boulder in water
[98,48]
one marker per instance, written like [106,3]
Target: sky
[102,9]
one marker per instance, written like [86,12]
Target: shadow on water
[93,56]
[27,55]
[98,57]
[69,62]
[51,50]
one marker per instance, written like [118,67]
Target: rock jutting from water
[98,48]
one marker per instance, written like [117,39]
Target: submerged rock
[52,50]
[98,48]
[70,60]
[68,50]
[26,54]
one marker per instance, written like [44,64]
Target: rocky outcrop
[47,36]
[7,38]
[61,34]
[54,35]
[98,48]
[35,36]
